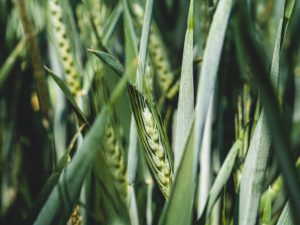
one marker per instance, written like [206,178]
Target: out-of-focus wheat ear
[75,218]
[154,139]
[160,59]
[87,37]
[99,12]
[157,51]
[114,155]
[63,44]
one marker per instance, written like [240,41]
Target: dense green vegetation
[149,112]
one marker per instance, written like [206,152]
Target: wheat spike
[116,161]
[67,59]
[75,218]
[154,140]
[99,12]
[113,149]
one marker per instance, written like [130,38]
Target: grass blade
[131,53]
[267,208]
[222,177]
[286,216]
[144,45]
[185,108]
[71,180]
[52,180]
[64,87]
[279,133]
[256,161]
[109,60]
[211,59]
[10,61]
[178,210]
[131,50]
[110,24]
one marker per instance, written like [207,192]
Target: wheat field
[145,112]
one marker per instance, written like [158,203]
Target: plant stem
[35,55]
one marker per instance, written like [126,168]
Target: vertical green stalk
[144,45]
[36,60]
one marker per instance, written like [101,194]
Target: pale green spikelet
[63,44]
[154,139]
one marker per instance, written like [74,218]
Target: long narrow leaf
[64,87]
[179,208]
[52,180]
[185,108]
[131,53]
[258,154]
[286,216]
[109,60]
[111,22]
[222,177]
[10,61]
[211,59]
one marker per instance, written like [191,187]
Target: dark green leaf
[109,60]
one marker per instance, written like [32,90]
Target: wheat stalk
[157,52]
[67,59]
[154,140]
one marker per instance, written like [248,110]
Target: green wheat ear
[154,139]
[114,153]
[60,37]
[114,157]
